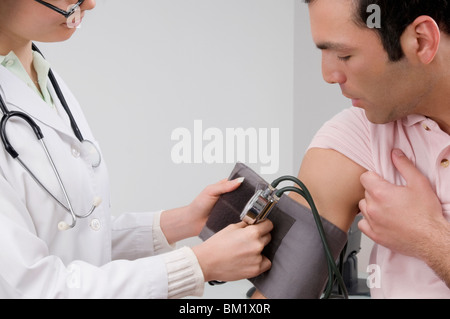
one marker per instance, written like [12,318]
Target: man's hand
[401,218]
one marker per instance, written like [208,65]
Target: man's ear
[421,39]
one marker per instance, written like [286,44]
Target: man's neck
[439,107]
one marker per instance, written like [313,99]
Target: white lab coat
[36,259]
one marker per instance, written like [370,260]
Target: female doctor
[57,237]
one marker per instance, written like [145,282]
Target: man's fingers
[413,177]
[365,228]
[370,180]
[363,206]
[364,224]
[407,169]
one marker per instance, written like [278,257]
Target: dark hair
[397,15]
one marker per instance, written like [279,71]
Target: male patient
[388,156]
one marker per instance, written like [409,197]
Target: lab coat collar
[16,93]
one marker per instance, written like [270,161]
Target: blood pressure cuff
[299,265]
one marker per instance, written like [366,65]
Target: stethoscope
[89,148]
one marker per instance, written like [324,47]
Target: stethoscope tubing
[62,99]
[7,115]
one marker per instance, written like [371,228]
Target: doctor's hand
[401,218]
[201,206]
[234,253]
[188,221]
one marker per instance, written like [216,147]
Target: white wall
[144,68]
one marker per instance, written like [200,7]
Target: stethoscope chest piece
[92,153]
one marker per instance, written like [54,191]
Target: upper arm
[334,183]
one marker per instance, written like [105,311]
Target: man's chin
[377,118]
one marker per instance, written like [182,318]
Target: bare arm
[437,256]
[334,183]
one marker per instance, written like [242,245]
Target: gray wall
[147,70]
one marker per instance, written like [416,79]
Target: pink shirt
[370,146]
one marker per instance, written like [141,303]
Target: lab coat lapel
[18,94]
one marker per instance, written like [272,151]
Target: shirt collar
[9,59]
[4,58]
[41,66]
[413,119]
[12,63]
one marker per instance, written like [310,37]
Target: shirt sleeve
[138,235]
[160,242]
[132,236]
[349,134]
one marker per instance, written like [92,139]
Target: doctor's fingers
[265,265]
[223,186]
[260,233]
[264,227]
[262,230]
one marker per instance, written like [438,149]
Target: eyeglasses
[66,14]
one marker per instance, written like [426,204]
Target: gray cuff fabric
[299,264]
